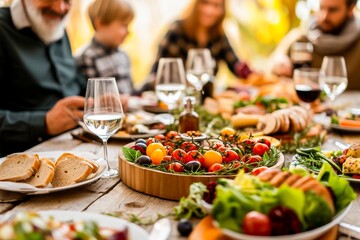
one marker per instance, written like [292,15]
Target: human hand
[64,115]
[283,67]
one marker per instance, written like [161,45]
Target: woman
[202,28]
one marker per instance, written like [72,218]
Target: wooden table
[111,196]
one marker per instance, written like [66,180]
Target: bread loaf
[66,156]
[44,175]
[18,167]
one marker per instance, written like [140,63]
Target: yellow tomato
[212,157]
[157,156]
[154,146]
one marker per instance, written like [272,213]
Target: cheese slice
[351,166]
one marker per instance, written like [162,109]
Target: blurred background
[254,27]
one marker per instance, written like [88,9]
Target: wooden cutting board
[206,230]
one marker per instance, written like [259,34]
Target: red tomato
[248,142]
[264,141]
[160,137]
[216,145]
[167,143]
[357,176]
[169,149]
[258,170]
[215,167]
[150,141]
[260,149]
[253,159]
[176,167]
[179,154]
[194,155]
[221,149]
[230,155]
[167,158]
[171,135]
[188,146]
[256,223]
[345,151]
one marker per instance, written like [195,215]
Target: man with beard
[334,31]
[39,81]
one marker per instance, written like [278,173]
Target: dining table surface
[111,196]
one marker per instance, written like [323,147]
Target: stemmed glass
[301,54]
[306,81]
[103,113]
[199,67]
[334,82]
[170,81]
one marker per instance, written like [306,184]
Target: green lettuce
[344,194]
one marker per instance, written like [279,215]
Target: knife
[349,230]
[161,230]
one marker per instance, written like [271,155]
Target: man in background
[39,81]
[334,30]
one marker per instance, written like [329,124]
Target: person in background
[39,79]
[102,57]
[202,28]
[334,30]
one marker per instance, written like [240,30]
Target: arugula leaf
[131,154]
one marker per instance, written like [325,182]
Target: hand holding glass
[334,82]
[170,81]
[103,113]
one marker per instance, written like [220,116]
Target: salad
[346,163]
[275,203]
[30,225]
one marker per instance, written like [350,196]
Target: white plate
[295,164]
[29,189]
[196,139]
[135,231]
[311,234]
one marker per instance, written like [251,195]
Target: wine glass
[170,81]
[301,54]
[103,113]
[334,82]
[306,81]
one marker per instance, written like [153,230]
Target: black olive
[142,145]
[140,140]
[184,227]
[143,160]
[193,166]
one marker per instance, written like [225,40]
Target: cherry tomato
[258,170]
[150,141]
[248,142]
[216,145]
[194,155]
[230,155]
[179,154]
[176,167]
[264,141]
[169,149]
[222,149]
[167,143]
[215,167]
[188,146]
[171,135]
[345,151]
[253,159]
[260,149]
[167,158]
[160,137]
[256,223]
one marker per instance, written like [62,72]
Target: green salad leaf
[131,154]
[316,212]
[341,188]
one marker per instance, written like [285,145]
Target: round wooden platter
[171,186]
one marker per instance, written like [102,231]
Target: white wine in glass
[103,112]
[170,81]
[334,81]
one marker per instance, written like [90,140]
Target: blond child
[102,57]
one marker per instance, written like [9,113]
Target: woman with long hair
[201,27]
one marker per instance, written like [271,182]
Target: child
[102,57]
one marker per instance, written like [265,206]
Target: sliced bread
[18,167]
[68,172]
[44,175]
[66,156]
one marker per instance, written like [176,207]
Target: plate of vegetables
[289,205]
[350,122]
[346,163]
